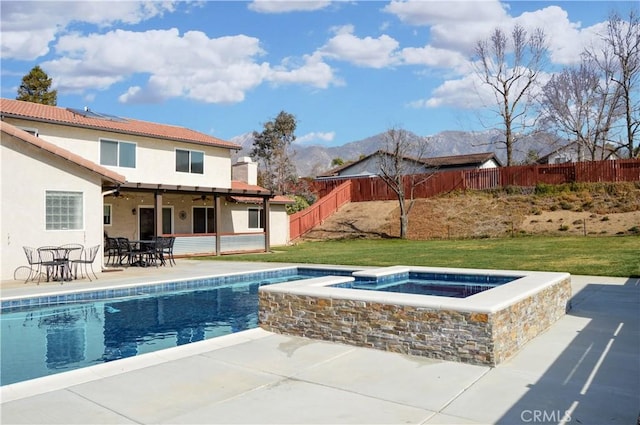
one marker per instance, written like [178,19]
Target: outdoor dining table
[59,261]
[140,248]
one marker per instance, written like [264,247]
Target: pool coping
[109,290]
[58,381]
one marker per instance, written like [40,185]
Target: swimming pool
[47,335]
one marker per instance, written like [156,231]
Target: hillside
[605,209]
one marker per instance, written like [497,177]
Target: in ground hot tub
[484,326]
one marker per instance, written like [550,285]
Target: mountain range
[311,160]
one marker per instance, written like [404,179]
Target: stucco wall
[26,173]
[155,159]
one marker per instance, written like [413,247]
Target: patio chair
[126,252]
[35,264]
[168,249]
[111,251]
[74,251]
[87,258]
[163,245]
[53,260]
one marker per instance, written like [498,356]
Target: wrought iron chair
[35,264]
[111,251]
[126,252]
[87,258]
[162,248]
[52,258]
[168,249]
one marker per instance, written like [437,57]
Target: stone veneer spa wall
[486,332]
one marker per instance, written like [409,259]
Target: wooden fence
[374,189]
[305,220]
[336,192]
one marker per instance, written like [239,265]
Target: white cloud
[192,65]
[315,136]
[28,27]
[421,12]
[313,71]
[434,57]
[566,39]
[285,6]
[467,92]
[453,24]
[366,52]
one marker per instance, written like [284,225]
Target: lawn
[601,256]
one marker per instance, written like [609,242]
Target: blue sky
[346,69]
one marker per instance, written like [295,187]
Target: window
[189,161]
[106,214]
[256,218]
[63,210]
[117,154]
[204,220]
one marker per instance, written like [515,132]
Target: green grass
[599,256]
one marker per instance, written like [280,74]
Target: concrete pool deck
[584,369]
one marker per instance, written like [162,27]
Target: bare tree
[402,168]
[623,37]
[510,67]
[583,103]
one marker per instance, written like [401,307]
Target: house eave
[202,190]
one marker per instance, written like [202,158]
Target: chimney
[245,170]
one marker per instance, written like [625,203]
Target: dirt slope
[604,210]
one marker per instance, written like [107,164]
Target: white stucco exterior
[26,174]
[155,159]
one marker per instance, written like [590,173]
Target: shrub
[300,204]
[566,205]
[545,189]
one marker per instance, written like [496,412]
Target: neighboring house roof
[53,149]
[572,149]
[88,119]
[471,160]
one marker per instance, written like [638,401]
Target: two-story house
[75,176]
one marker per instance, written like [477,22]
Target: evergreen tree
[36,88]
[271,148]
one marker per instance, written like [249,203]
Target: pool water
[443,285]
[44,340]
[442,289]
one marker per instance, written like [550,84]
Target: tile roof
[237,185]
[60,152]
[77,118]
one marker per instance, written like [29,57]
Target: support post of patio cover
[266,208]
[216,203]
